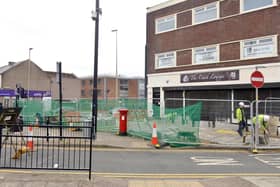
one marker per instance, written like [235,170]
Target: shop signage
[210,76]
[32,93]
[7,92]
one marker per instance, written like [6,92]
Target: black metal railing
[29,146]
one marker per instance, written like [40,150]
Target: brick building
[128,87]
[209,48]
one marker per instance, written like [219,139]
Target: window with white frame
[206,13]
[165,24]
[247,5]
[141,88]
[260,47]
[123,88]
[205,55]
[165,60]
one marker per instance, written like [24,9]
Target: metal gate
[46,146]
[271,107]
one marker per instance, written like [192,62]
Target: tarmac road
[186,162]
[138,168]
[143,161]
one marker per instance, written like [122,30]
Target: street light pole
[95,17]
[116,31]
[28,73]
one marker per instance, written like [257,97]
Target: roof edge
[163,5]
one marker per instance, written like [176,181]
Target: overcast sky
[62,30]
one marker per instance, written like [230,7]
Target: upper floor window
[206,13]
[205,55]
[248,5]
[141,88]
[165,24]
[165,60]
[123,88]
[83,93]
[260,47]
[83,82]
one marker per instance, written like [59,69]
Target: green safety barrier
[177,126]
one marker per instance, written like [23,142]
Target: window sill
[159,68]
[252,58]
[210,20]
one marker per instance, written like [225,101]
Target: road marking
[215,161]
[108,149]
[144,175]
[162,183]
[268,154]
[269,159]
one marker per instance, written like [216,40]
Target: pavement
[214,136]
[112,140]
[221,135]
[12,178]
[224,135]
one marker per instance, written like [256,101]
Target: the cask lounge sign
[210,76]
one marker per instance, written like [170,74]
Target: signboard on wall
[210,76]
[32,93]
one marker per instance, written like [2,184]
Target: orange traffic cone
[29,144]
[154,136]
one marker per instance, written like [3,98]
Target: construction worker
[263,127]
[241,117]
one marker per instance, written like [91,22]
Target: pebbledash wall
[208,49]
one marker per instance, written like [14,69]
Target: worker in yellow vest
[241,118]
[263,126]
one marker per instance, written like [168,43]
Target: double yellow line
[146,175]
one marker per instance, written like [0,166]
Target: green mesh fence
[175,126]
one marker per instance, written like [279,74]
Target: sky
[62,30]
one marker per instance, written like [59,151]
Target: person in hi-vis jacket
[241,117]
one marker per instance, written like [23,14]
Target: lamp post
[95,17]
[116,31]
[28,72]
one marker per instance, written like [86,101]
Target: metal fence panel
[42,147]
[218,126]
[269,107]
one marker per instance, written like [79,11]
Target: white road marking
[215,161]
[269,159]
[269,154]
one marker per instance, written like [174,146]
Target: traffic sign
[257,79]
